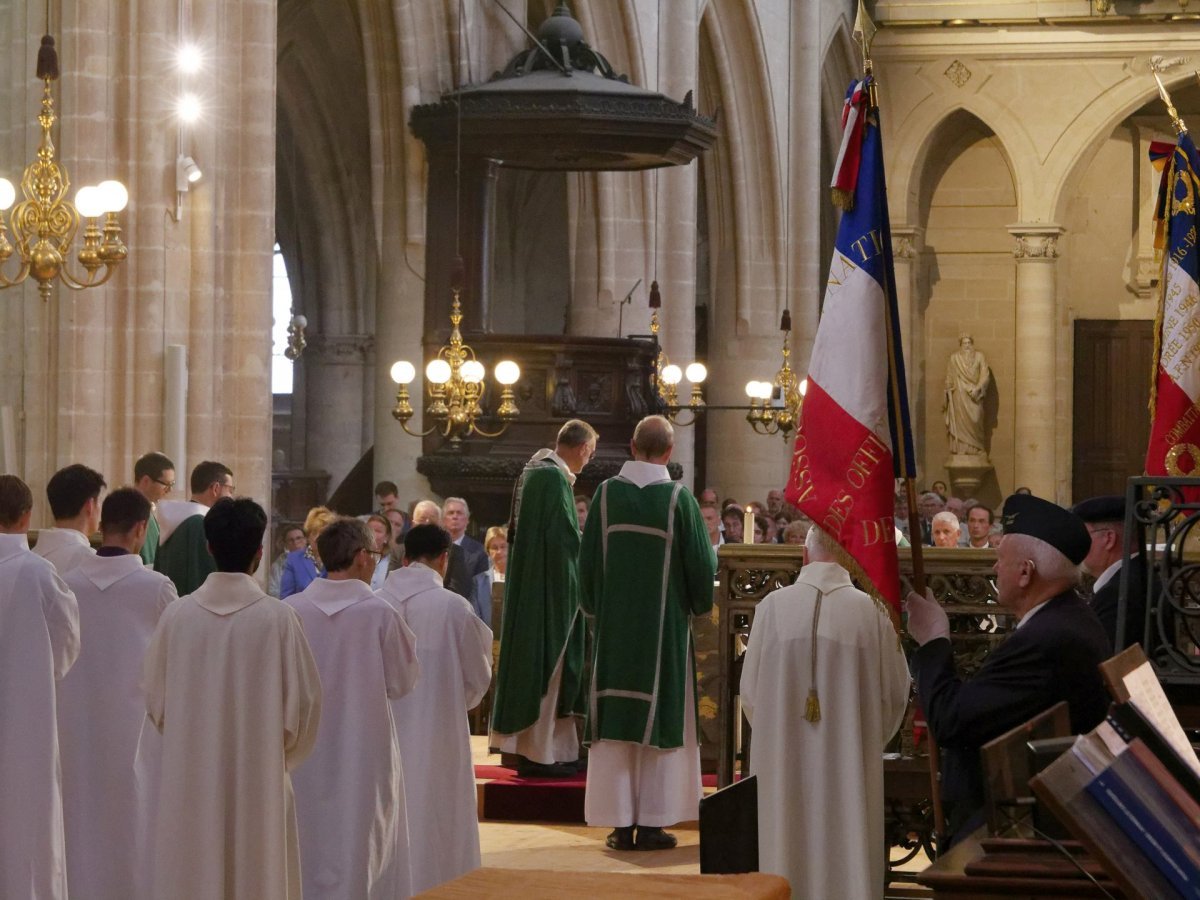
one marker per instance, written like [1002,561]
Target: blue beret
[1101,509]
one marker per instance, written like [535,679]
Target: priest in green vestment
[539,678]
[154,478]
[183,554]
[646,567]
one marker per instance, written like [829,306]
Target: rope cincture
[812,707]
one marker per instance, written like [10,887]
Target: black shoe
[620,839]
[527,768]
[654,839]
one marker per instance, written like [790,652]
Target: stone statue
[967,377]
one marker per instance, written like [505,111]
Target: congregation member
[732,522]
[582,505]
[455,649]
[945,529]
[350,793]
[539,682]
[928,505]
[387,496]
[1104,518]
[458,576]
[381,530]
[1051,655]
[647,567]
[100,706]
[400,523]
[154,478]
[825,683]
[303,566]
[979,526]
[797,530]
[39,641]
[495,542]
[232,687]
[712,521]
[456,515]
[708,495]
[74,496]
[288,538]
[183,554]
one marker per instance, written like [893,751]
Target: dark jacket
[1104,604]
[1054,657]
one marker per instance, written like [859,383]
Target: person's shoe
[620,839]
[579,765]
[654,839]
[527,768]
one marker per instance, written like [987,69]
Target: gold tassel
[842,199]
[812,708]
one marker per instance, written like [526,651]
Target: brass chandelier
[667,375]
[45,223]
[775,405]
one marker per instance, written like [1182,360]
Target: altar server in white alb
[646,568]
[350,791]
[101,709]
[455,651]
[232,686]
[39,640]
[74,496]
[824,684]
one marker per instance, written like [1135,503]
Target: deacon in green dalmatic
[647,567]
[539,679]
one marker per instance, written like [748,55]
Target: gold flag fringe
[850,564]
[842,199]
[1160,253]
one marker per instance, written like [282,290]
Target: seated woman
[495,542]
[302,567]
[381,527]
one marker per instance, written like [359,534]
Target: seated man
[946,529]
[1053,653]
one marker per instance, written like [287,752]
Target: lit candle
[748,526]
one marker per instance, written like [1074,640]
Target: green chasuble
[150,547]
[184,556]
[647,566]
[542,621]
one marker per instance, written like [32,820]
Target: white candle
[748,527]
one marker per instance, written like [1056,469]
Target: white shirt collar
[644,474]
[546,453]
[1031,613]
[12,544]
[1107,575]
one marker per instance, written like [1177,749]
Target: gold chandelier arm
[676,419]
[22,274]
[419,434]
[475,429]
[77,284]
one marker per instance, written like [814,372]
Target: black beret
[1101,509]
[1058,527]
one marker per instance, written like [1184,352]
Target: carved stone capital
[907,242]
[340,349]
[1035,242]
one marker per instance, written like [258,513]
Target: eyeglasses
[378,554]
[169,485]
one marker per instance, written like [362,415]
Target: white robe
[39,640]
[820,785]
[350,791]
[455,651]
[64,548]
[100,714]
[232,686]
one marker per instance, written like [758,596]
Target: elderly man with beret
[1105,521]
[1052,654]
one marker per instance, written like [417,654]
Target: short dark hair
[987,509]
[152,465]
[584,499]
[234,529]
[576,433]
[16,499]
[339,542]
[426,542]
[70,488]
[123,510]
[384,488]
[206,473]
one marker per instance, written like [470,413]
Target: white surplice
[100,714]
[455,651]
[39,640]
[350,792]
[64,548]
[820,784]
[232,686]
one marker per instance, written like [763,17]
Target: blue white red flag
[853,438]
[1175,403]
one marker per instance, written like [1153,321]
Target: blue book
[1152,820]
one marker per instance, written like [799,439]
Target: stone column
[336,374]
[1036,253]
[906,253]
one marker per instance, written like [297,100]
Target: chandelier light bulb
[752,390]
[472,371]
[189,108]
[89,200]
[507,372]
[803,387]
[7,193]
[189,59]
[438,371]
[672,374]
[113,195]
[768,390]
[696,373]
[403,372]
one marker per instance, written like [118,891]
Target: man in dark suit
[1052,654]
[459,576]
[456,515]
[1105,521]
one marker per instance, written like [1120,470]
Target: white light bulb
[189,59]
[403,372]
[672,374]
[472,371]
[767,390]
[803,387]
[438,371]
[752,390]
[507,372]
[113,195]
[7,193]
[189,108]
[89,201]
[696,373]
[300,321]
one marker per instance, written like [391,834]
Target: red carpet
[508,797]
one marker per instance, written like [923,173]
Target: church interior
[326,196]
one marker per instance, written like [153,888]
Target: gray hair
[1049,562]
[820,546]
[576,433]
[426,504]
[945,516]
[449,500]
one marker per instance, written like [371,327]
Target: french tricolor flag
[853,437]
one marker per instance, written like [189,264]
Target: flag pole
[864,33]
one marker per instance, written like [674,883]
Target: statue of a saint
[967,377]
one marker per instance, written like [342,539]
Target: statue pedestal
[967,472]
